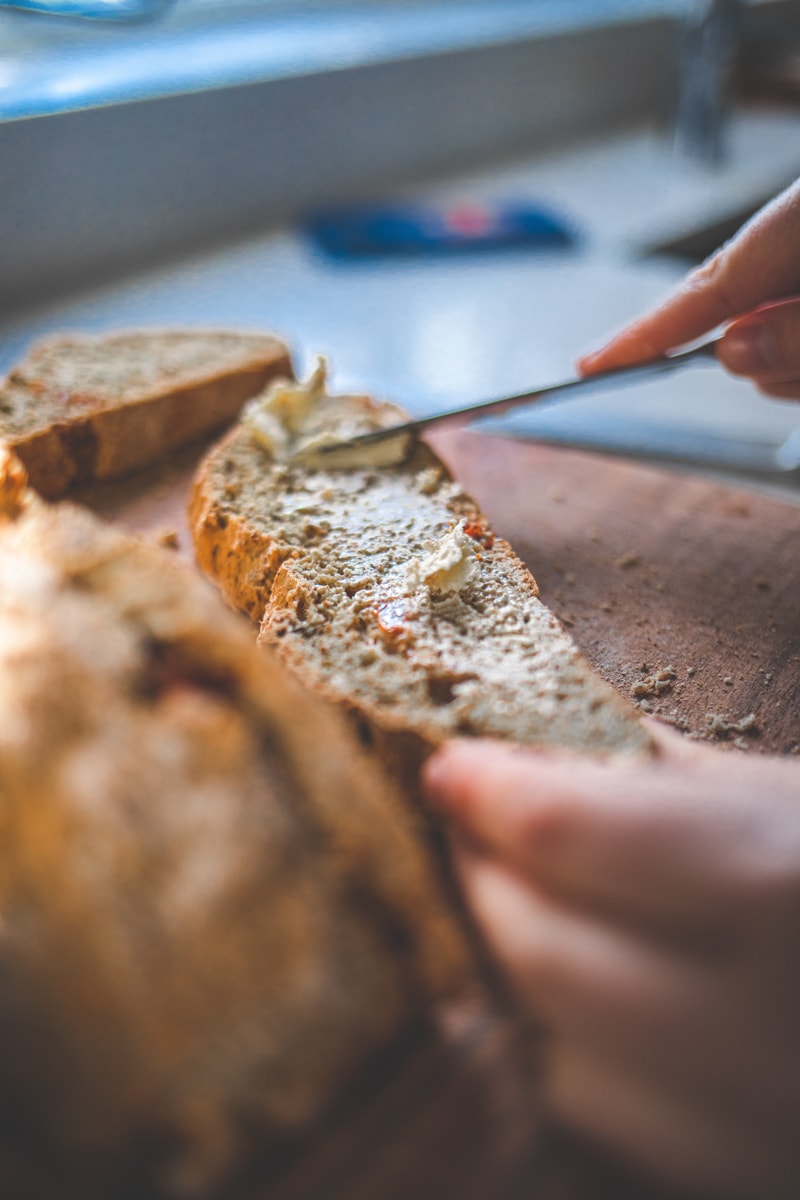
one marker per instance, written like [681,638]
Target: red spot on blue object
[469,220]
[419,230]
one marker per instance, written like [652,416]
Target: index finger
[761,263]
[680,842]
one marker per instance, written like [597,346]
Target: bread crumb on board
[656,683]
[720,726]
[672,718]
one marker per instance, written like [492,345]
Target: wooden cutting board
[650,569]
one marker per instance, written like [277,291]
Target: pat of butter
[279,413]
[449,566]
[280,420]
[293,403]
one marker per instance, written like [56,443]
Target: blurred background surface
[159,163]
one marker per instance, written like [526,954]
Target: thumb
[765,345]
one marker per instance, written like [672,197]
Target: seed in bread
[79,408]
[213,907]
[345,571]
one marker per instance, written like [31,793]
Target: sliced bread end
[79,408]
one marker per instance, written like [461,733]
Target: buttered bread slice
[79,408]
[385,589]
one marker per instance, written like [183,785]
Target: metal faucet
[710,42]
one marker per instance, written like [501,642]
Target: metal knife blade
[706,352]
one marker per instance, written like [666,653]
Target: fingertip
[437,777]
[587,364]
[624,349]
[465,778]
[447,770]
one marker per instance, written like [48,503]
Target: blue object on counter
[419,230]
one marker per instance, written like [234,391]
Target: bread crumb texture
[346,569]
[213,907]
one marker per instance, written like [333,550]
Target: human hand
[753,282]
[648,913]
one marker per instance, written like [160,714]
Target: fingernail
[751,349]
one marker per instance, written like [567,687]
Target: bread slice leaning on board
[79,408]
[213,907]
[385,589]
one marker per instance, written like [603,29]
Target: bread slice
[338,567]
[80,408]
[213,907]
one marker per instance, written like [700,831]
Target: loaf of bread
[385,589]
[213,907]
[79,408]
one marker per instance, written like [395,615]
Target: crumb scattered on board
[656,683]
[717,727]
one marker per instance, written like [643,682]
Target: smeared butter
[448,567]
[386,453]
[286,422]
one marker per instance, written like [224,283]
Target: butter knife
[706,352]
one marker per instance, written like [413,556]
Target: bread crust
[69,430]
[214,907]
[319,586]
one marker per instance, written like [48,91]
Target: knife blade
[705,352]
